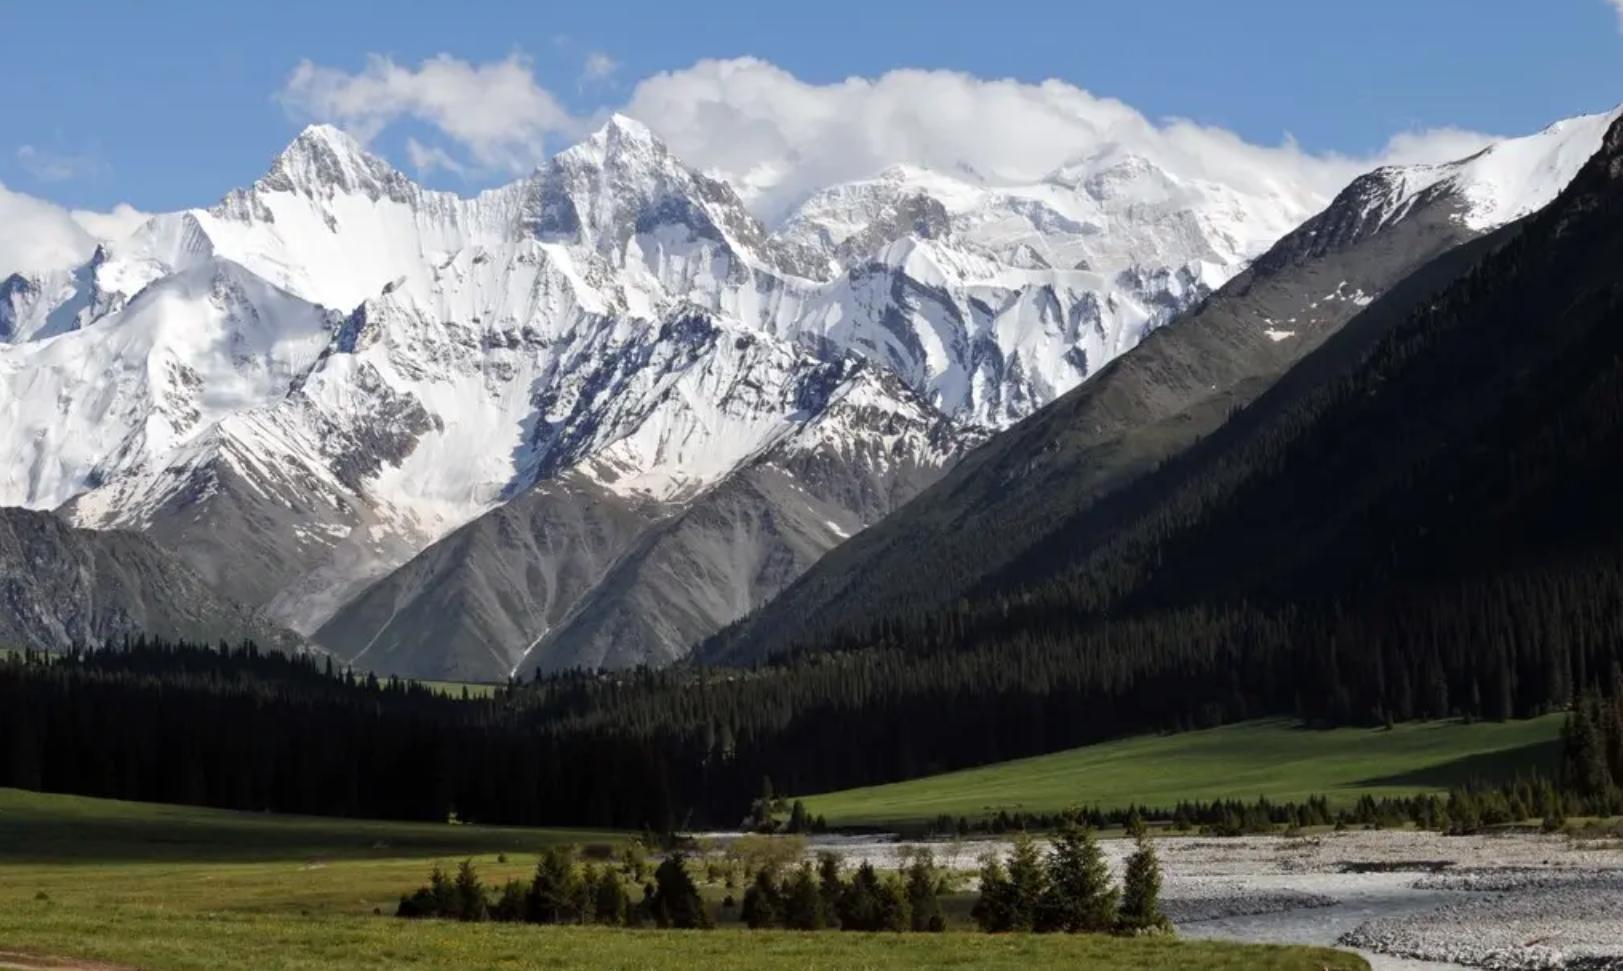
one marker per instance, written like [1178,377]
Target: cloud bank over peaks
[774,136]
[778,138]
[497,112]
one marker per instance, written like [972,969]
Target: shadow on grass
[1501,766]
[31,838]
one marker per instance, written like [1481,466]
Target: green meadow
[164,888]
[1273,758]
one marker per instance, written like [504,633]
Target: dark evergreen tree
[1585,757]
[555,889]
[443,891]
[803,908]
[994,910]
[1077,895]
[511,903]
[868,903]
[893,913]
[676,901]
[1141,891]
[799,820]
[923,883]
[610,902]
[763,903]
[470,902]
[830,884]
[1029,883]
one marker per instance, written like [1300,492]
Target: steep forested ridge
[1090,449]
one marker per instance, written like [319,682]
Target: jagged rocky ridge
[311,383]
[585,418]
[62,587]
[1012,508]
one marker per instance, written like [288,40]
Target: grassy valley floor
[1273,758]
[162,888]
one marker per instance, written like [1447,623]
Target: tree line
[563,892]
[1065,889]
[238,728]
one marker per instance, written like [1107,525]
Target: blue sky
[166,105]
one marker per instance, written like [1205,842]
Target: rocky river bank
[1408,901]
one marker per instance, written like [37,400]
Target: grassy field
[163,888]
[38,826]
[1264,758]
[248,942]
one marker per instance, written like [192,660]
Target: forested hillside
[1305,311]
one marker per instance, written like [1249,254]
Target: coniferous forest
[236,728]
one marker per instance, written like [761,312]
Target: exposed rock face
[62,587]
[327,375]
[1014,495]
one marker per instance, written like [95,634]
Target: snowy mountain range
[592,416]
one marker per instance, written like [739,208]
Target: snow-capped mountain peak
[334,367]
[1499,184]
[324,160]
[623,182]
[1519,176]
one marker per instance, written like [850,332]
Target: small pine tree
[418,904]
[634,861]
[924,894]
[1141,893]
[892,912]
[803,908]
[994,908]
[1077,895]
[443,892]
[1585,769]
[554,891]
[1028,882]
[510,903]
[470,894]
[763,905]
[830,884]
[676,901]
[864,902]
[609,900]
[1464,816]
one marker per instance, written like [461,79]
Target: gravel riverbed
[1407,901]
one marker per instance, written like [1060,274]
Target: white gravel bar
[1407,901]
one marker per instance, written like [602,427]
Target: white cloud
[1618,6]
[779,138]
[496,111]
[48,166]
[41,236]
[427,158]
[1434,145]
[111,227]
[600,67]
